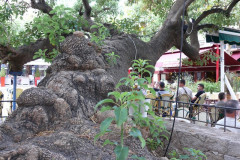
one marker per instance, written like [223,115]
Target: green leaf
[107,141]
[98,135]
[105,124]
[121,115]
[102,102]
[136,157]
[116,94]
[36,56]
[184,157]
[105,108]
[94,26]
[137,133]
[143,142]
[121,152]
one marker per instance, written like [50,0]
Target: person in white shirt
[162,89]
[231,117]
[183,90]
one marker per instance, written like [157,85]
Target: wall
[215,143]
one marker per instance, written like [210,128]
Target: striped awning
[228,35]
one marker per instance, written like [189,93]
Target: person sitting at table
[221,103]
[183,89]
[232,114]
[156,86]
[200,91]
[162,89]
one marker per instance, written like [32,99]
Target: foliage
[100,34]
[112,58]
[3,72]
[48,57]
[122,102]
[193,154]
[206,58]
[234,80]
[37,73]
[54,27]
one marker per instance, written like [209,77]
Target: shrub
[37,73]
[3,72]
[122,102]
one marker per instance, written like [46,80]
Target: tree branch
[199,27]
[176,11]
[18,57]
[88,9]
[80,11]
[216,10]
[42,6]
[191,51]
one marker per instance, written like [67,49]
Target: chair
[152,97]
[183,108]
[164,108]
[18,92]
[198,108]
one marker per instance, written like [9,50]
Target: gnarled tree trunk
[54,121]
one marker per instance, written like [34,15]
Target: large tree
[54,120]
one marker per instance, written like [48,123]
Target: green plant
[3,72]
[122,102]
[207,57]
[37,73]
[112,58]
[48,57]
[100,33]
[54,27]
[193,154]
[234,80]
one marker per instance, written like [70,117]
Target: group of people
[228,110]
[182,90]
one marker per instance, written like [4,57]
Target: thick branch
[217,10]
[18,57]
[213,26]
[176,11]
[42,6]
[191,51]
[88,9]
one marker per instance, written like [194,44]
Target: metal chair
[163,107]
[183,108]
[198,111]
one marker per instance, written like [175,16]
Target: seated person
[221,103]
[231,117]
[183,89]
[200,91]
[156,86]
[162,89]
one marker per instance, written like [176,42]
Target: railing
[203,113]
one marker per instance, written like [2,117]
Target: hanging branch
[226,12]
[42,6]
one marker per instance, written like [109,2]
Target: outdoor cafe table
[209,101]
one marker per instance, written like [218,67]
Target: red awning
[236,55]
[169,62]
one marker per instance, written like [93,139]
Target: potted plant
[2,75]
[37,76]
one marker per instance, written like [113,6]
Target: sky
[30,14]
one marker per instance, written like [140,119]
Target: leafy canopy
[140,17]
